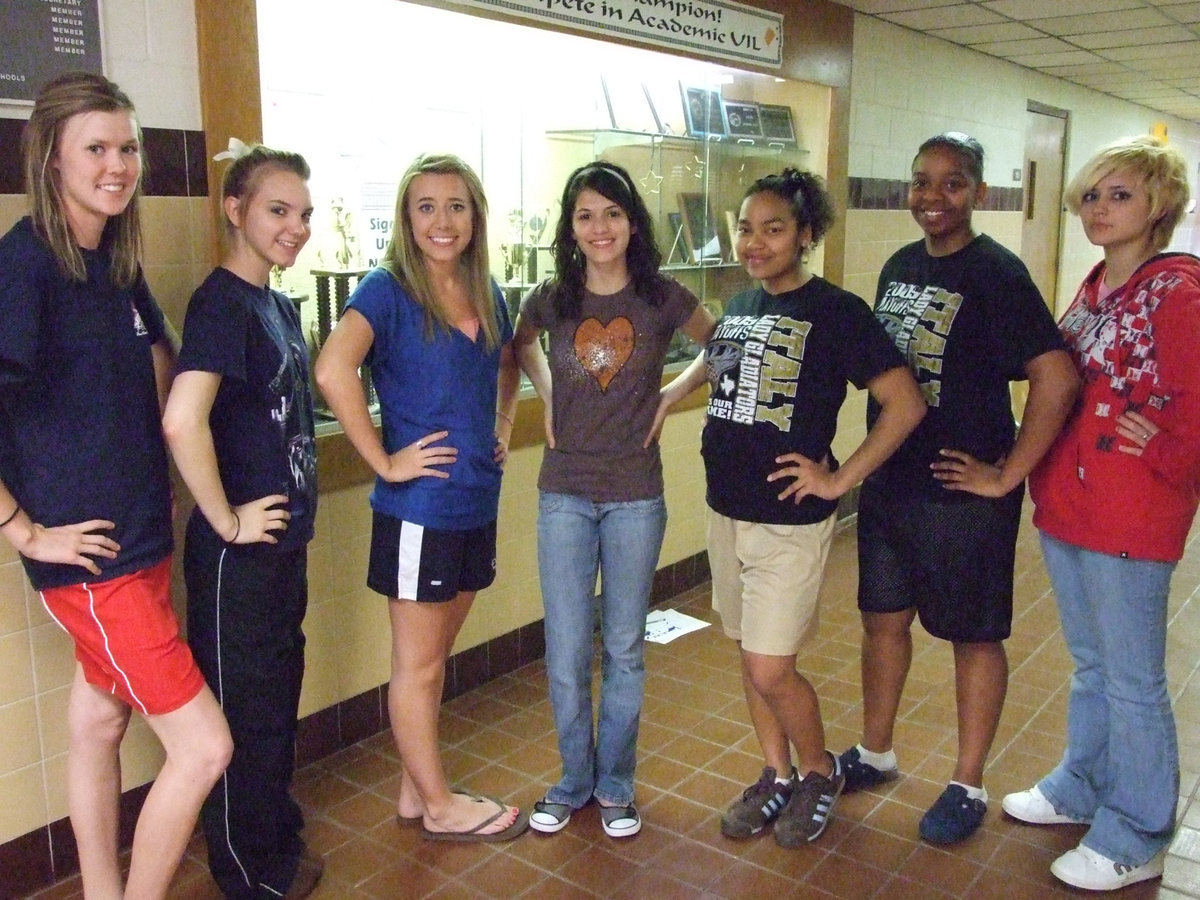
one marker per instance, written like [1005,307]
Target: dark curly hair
[642,257]
[806,197]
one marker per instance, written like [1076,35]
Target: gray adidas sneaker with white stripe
[808,812]
[759,805]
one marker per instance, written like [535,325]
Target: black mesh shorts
[952,561]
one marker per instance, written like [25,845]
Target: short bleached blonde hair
[1163,168]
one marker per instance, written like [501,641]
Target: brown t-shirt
[606,368]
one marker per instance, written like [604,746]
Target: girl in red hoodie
[1115,497]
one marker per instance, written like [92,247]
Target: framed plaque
[702,112]
[741,119]
[776,123]
[700,236]
[44,40]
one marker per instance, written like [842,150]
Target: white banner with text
[718,28]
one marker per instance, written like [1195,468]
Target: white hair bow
[236,151]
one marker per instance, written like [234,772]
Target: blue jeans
[577,538]
[1121,765]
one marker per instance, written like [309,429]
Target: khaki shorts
[765,581]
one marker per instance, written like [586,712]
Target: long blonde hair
[64,97]
[403,258]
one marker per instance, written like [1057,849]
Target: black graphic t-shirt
[967,324]
[261,420]
[778,366]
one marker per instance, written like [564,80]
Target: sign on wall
[44,39]
[718,28]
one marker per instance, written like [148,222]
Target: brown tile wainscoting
[175,161]
[892,193]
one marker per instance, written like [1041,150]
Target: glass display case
[692,187]
[693,135]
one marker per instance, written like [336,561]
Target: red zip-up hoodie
[1139,349]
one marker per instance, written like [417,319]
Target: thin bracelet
[501,414]
[237,530]
[13,516]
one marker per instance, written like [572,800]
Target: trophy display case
[693,187]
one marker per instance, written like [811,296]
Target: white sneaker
[1032,806]
[1087,869]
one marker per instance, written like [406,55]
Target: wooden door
[1045,150]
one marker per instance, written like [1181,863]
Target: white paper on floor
[664,625]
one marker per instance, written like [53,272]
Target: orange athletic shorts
[127,638]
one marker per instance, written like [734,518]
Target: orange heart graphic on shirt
[603,349]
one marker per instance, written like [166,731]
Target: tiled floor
[696,753]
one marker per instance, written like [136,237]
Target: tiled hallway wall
[906,86]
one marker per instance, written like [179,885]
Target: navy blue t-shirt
[261,419]
[80,426]
[778,366]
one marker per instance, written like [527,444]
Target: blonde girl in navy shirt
[85,362]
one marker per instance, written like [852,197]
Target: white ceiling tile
[1189,82]
[984,34]
[1147,51]
[1073,72]
[1185,109]
[1150,92]
[878,7]
[1038,60]
[1113,82]
[1183,12]
[1027,48]
[1159,69]
[959,15]
[1180,52]
[1132,36]
[1044,9]
[1124,20]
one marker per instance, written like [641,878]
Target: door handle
[1030,190]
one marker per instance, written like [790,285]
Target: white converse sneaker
[1031,806]
[1087,869]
